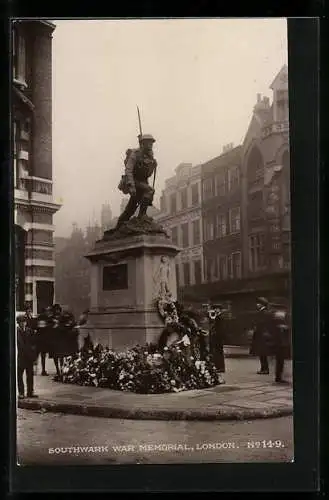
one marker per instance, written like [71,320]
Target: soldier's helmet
[146,137]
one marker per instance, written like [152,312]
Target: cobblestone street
[39,434]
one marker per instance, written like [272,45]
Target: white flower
[186,340]
[165,348]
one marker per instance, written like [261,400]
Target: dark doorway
[20,242]
[45,294]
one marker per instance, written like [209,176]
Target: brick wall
[39,237]
[42,218]
[39,254]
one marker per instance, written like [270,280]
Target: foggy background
[195,82]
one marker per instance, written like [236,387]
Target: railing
[42,186]
[35,185]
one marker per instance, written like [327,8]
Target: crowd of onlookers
[54,333]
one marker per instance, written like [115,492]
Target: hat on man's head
[263,301]
[146,137]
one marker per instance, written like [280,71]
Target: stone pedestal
[125,281]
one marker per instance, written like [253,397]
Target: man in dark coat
[270,338]
[65,338]
[260,345]
[216,337]
[44,325]
[70,334]
[26,355]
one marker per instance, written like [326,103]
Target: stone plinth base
[125,281]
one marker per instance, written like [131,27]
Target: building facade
[266,194]
[181,215]
[221,213]
[32,159]
[246,210]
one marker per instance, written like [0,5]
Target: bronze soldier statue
[140,164]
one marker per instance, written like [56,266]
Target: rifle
[141,134]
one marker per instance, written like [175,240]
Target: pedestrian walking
[271,338]
[26,356]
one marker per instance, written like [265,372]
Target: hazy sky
[195,82]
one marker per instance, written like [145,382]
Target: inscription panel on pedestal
[115,277]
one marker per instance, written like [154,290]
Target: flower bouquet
[142,369]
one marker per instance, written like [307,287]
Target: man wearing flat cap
[140,164]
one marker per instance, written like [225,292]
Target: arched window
[255,166]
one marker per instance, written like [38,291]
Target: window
[184,229]
[222,267]
[16,151]
[255,205]
[213,270]
[255,168]
[233,178]
[207,189]
[14,52]
[234,265]
[195,194]
[196,232]
[197,272]
[184,199]
[186,272]
[208,228]
[235,220]
[173,203]
[19,57]
[174,235]
[210,269]
[220,184]
[177,275]
[221,226]
[256,251]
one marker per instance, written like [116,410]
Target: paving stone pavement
[245,395]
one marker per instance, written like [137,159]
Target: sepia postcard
[151,166]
